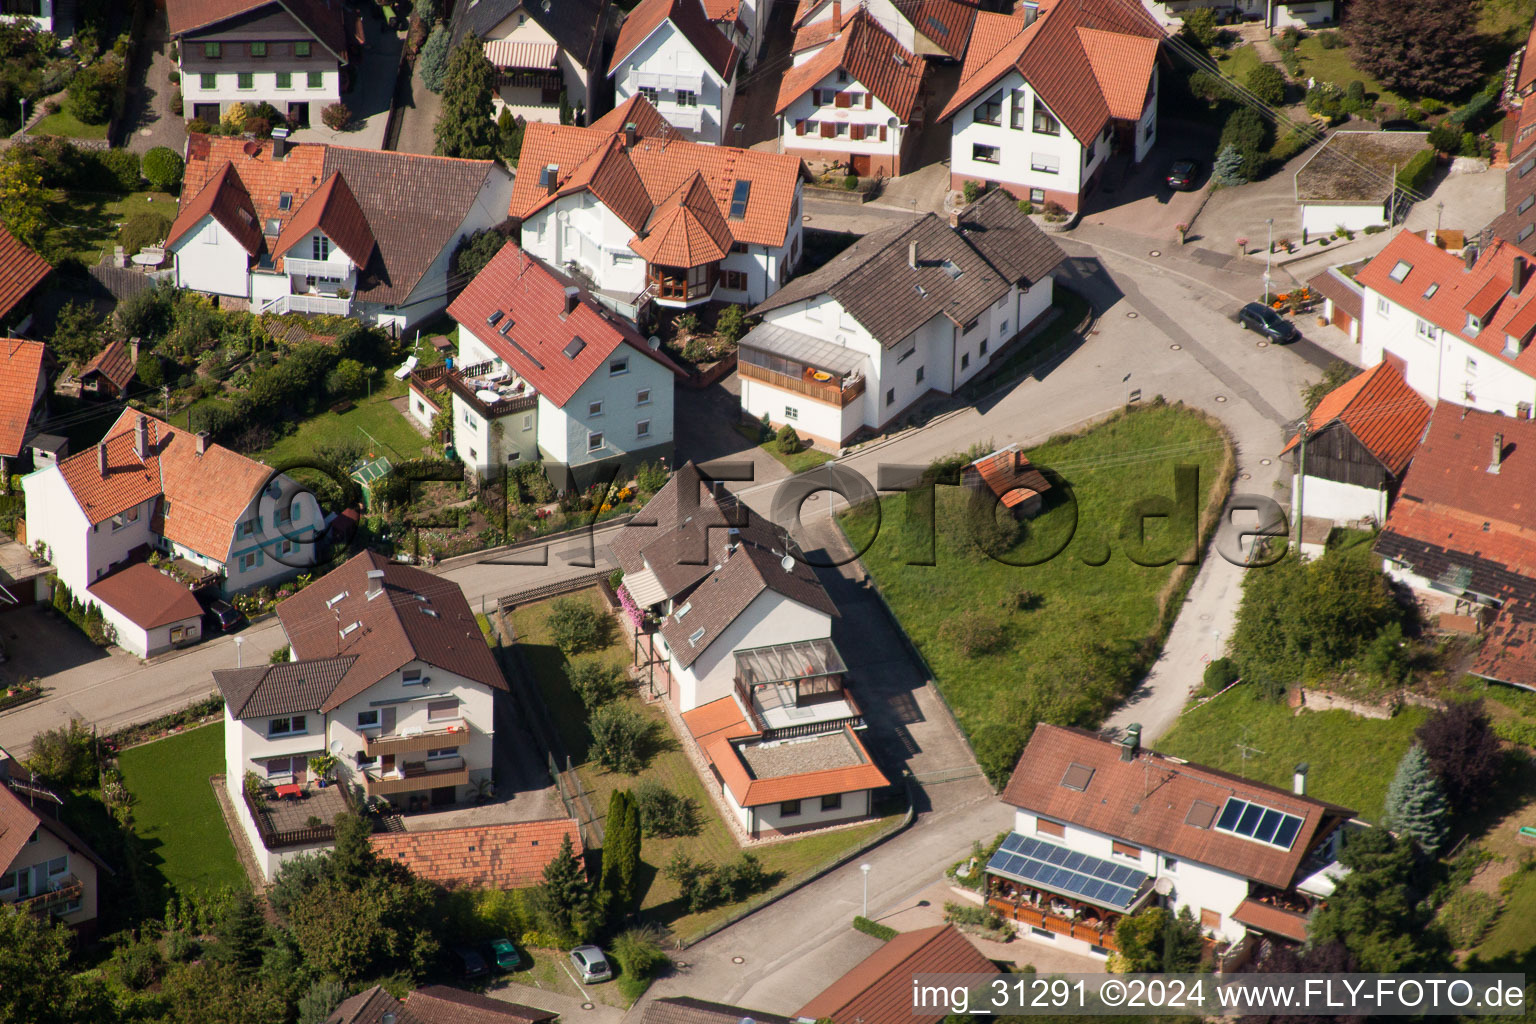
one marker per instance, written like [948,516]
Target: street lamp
[239,643]
[865,868]
[1269,259]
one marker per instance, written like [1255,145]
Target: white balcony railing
[308,304]
[663,80]
[326,269]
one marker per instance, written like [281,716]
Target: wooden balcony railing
[402,742]
[417,776]
[830,392]
[68,888]
[1101,935]
[428,378]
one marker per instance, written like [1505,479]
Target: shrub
[163,167]
[731,324]
[432,61]
[1330,40]
[1415,174]
[576,626]
[1466,917]
[65,755]
[976,635]
[1200,27]
[651,476]
[95,91]
[120,167]
[1445,137]
[197,126]
[665,814]
[347,378]
[1219,674]
[181,947]
[596,682]
[850,182]
[1267,83]
[786,440]
[336,117]
[972,191]
[150,373]
[1206,86]
[1355,93]
[142,230]
[883,932]
[640,958]
[620,736]
[137,964]
[234,118]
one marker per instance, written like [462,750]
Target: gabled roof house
[670,52]
[225,520]
[389,673]
[1103,829]
[434,1004]
[934,30]
[312,228]
[544,372]
[1044,100]
[542,50]
[23,383]
[21,271]
[46,869]
[904,311]
[647,217]
[878,990]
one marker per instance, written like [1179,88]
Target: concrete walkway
[418,116]
[151,121]
[373,87]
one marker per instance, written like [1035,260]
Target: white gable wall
[883,11]
[55,519]
[876,117]
[771,618]
[666,52]
[208,259]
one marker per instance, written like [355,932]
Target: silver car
[590,964]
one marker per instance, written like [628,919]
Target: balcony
[832,391]
[409,740]
[688,119]
[65,890]
[314,304]
[283,822]
[1094,932]
[416,776]
[324,270]
[492,398]
[662,80]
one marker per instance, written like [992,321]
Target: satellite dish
[337,747]
[1163,886]
[787,563]
[654,342]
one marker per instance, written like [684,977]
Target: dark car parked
[471,964]
[223,616]
[1182,175]
[504,955]
[1258,317]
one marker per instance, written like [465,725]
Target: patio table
[292,790]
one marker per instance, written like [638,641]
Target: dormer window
[1474,325]
[285,202]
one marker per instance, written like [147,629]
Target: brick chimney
[133,350]
[572,300]
[1517,276]
[630,133]
[1496,462]
[101,458]
[375,583]
[912,254]
[141,437]
[202,443]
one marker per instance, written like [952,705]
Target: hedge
[883,932]
[1416,172]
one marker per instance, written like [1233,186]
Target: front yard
[175,811]
[668,764]
[1065,631]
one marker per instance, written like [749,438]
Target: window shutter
[869,101]
[882,133]
[844,100]
[800,127]
[259,558]
[856,132]
[828,130]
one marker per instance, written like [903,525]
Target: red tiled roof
[1337,288]
[1450,471]
[685,230]
[419,617]
[1084,78]
[325,19]
[1010,475]
[1285,923]
[113,363]
[690,20]
[333,210]
[1380,409]
[370,1006]
[129,480]
[815,34]
[21,270]
[224,198]
[947,24]
[439,1004]
[1439,288]
[17,823]
[146,596]
[872,57]
[636,110]
[1526,77]
[1115,803]
[879,989]
[507,856]
[532,297]
[662,166]
[21,381]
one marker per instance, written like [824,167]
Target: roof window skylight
[1429,292]
[1400,271]
[495,317]
[739,193]
[574,347]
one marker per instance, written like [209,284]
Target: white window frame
[295,725]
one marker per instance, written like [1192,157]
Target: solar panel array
[1067,872]
[1259,823]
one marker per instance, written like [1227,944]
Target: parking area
[1137,198]
[38,643]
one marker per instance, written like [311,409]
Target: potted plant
[321,766]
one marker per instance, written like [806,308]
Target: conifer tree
[1416,805]
[464,127]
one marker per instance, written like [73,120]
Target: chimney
[954,220]
[202,443]
[1299,779]
[375,583]
[141,437]
[279,143]
[551,178]
[629,134]
[837,13]
[572,300]
[1131,743]
[1517,276]
[912,254]
[101,458]
[1469,255]
[1497,461]
[133,350]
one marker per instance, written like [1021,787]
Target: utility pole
[165,402]
[1269,259]
[1301,482]
[1392,199]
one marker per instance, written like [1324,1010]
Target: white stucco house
[1360,440]
[390,674]
[1281,14]
[543,372]
[1350,180]
[148,487]
[934,30]
[46,869]
[671,53]
[1246,859]
[903,311]
[313,228]
[736,632]
[1459,333]
[291,54]
[1044,100]
[37,14]
[541,49]
[854,100]
[645,217]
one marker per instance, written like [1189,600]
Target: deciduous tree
[1463,752]
[1420,49]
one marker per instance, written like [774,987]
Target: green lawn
[1336,66]
[86,224]
[1239,61]
[66,124]
[806,458]
[671,767]
[175,811]
[1060,640]
[1352,759]
[373,421]
[1513,934]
